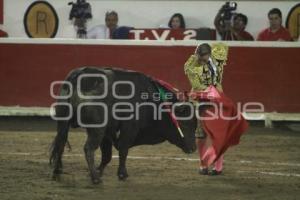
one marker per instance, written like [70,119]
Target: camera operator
[81,11]
[232,30]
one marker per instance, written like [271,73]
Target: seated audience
[176,21]
[121,33]
[276,32]
[235,31]
[104,31]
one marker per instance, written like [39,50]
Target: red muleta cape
[227,125]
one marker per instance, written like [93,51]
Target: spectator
[105,31]
[276,32]
[176,21]
[3,33]
[122,33]
[236,31]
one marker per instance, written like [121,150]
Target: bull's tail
[58,145]
[59,142]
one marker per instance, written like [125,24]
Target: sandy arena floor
[266,165]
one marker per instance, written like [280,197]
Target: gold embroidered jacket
[200,76]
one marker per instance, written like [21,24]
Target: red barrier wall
[261,74]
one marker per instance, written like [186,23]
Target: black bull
[122,129]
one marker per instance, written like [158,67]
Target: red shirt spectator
[282,34]
[3,33]
[276,32]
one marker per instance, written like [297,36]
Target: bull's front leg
[122,171]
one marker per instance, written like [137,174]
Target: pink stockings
[207,154]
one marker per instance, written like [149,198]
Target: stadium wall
[256,72]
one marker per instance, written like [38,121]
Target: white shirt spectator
[98,32]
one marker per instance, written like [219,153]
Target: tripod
[80,24]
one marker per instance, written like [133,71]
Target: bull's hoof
[123,177]
[95,178]
[56,177]
[122,174]
[57,174]
[96,181]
